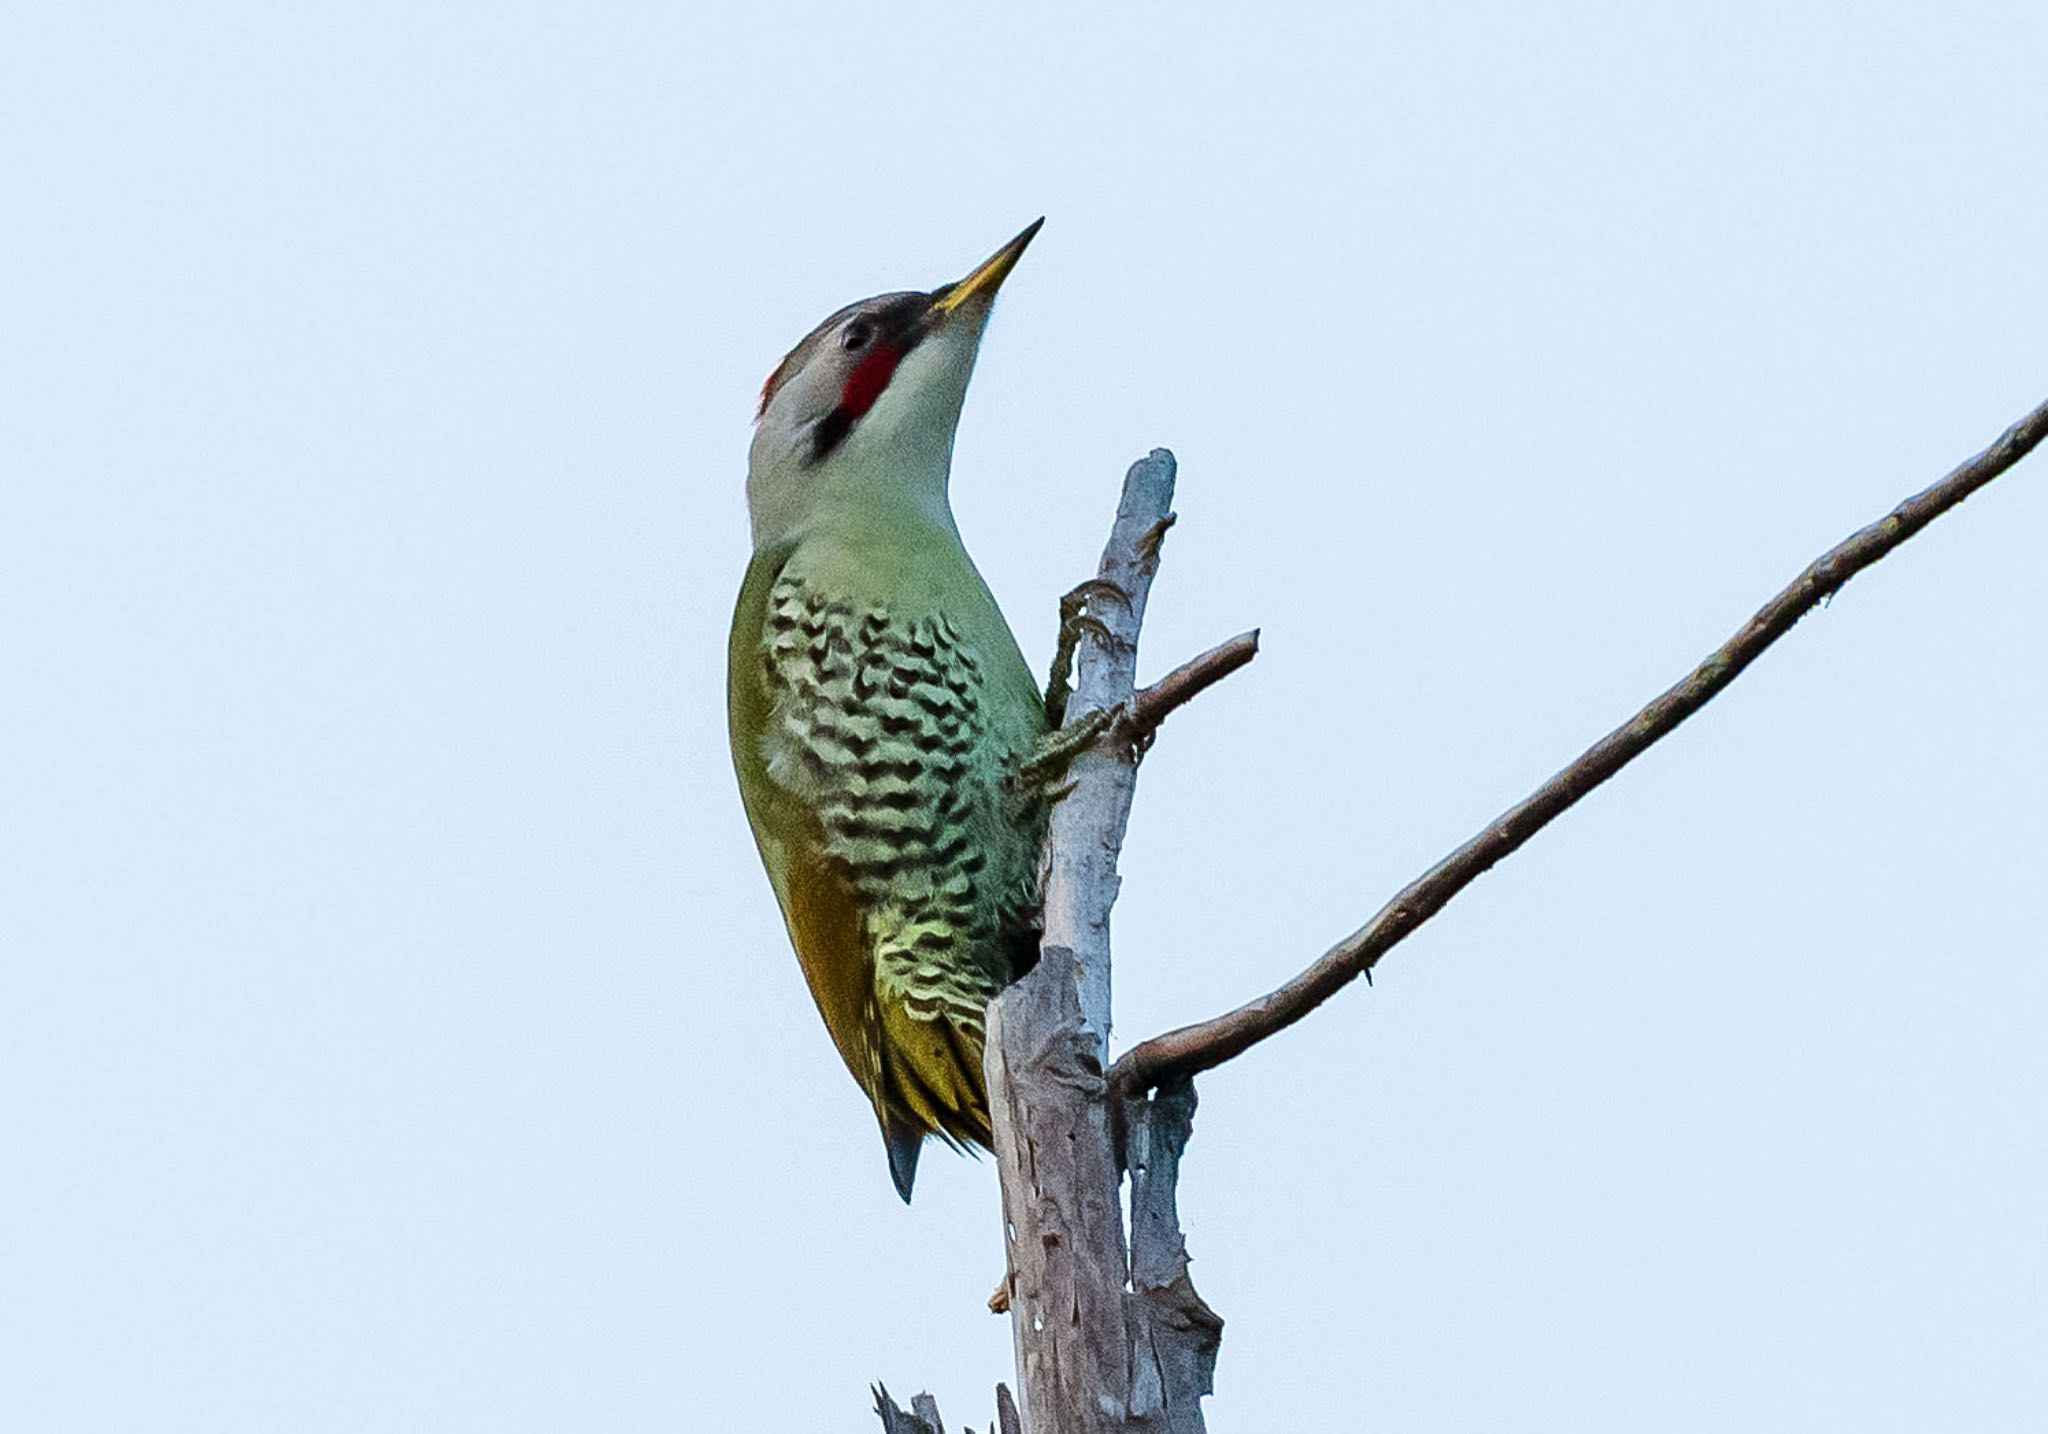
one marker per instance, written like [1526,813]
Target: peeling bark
[1174,1334]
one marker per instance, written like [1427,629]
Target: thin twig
[1190,680]
[1210,1043]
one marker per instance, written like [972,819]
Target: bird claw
[1075,619]
[1057,749]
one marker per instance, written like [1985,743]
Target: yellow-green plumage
[880,710]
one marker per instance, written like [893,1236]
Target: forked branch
[1201,1047]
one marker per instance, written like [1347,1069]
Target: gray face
[860,416]
[838,371]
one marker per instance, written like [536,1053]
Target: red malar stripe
[865,384]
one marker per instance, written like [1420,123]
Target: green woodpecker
[879,708]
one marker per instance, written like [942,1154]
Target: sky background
[396,1030]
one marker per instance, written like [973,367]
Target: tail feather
[928,1083]
[903,1142]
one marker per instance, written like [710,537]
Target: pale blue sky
[396,1032]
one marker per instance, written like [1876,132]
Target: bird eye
[856,336]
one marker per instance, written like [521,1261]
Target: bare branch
[921,1418]
[1048,1033]
[923,1415]
[1201,1047]
[1136,722]
[1190,680]
[1174,1333]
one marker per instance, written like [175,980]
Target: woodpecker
[880,709]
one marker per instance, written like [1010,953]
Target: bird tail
[930,1085]
[903,1141]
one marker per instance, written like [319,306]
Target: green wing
[878,796]
[816,899]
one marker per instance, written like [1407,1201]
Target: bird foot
[1075,619]
[1057,749]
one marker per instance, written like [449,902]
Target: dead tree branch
[1192,1049]
[1189,681]
[1174,1333]
[1111,1337]
[1056,1142]
[923,1415]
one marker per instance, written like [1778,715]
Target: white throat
[892,467]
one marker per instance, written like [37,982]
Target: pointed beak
[978,289]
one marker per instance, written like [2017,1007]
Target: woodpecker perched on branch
[880,710]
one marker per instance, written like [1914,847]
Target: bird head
[863,410]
